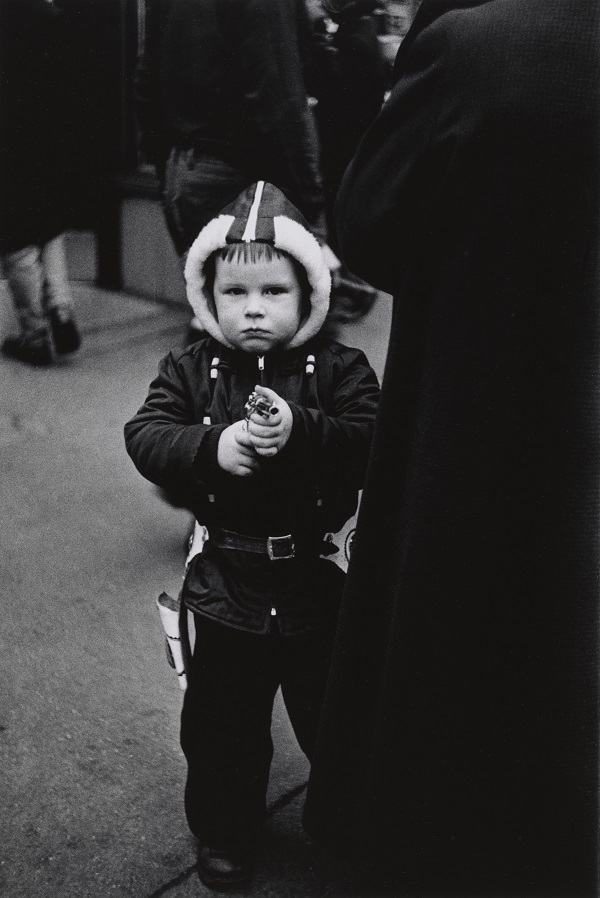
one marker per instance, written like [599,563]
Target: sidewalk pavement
[91,774]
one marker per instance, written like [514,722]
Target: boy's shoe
[65,334]
[224,868]
[33,350]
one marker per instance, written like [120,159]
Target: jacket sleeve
[336,443]
[266,53]
[399,165]
[164,439]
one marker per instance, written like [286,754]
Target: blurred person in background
[34,179]
[349,79]
[222,103]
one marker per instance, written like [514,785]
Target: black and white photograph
[300,448]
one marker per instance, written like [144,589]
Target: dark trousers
[226,720]
[196,188]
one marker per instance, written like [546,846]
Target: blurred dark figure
[349,80]
[34,178]
[458,750]
[222,103]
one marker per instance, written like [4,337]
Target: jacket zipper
[261,372]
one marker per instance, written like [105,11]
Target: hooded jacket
[309,488]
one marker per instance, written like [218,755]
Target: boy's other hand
[235,452]
[269,435]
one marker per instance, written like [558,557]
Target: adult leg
[57,297]
[57,290]
[24,274]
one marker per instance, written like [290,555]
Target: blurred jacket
[227,79]
[348,77]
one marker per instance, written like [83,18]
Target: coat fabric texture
[458,753]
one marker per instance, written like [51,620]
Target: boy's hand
[235,452]
[269,435]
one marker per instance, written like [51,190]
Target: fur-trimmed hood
[261,213]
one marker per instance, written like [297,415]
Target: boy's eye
[275,291]
[233,291]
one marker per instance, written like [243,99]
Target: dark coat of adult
[458,754]
[34,167]
[227,79]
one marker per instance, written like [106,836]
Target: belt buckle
[280,548]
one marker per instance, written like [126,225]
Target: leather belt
[277,548]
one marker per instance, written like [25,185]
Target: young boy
[268,487]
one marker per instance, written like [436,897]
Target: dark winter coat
[459,748]
[34,145]
[227,79]
[308,489]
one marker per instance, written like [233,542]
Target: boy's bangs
[251,251]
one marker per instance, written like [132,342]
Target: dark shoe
[64,331]
[224,868]
[33,350]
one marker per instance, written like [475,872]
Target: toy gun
[260,405]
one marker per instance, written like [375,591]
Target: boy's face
[258,304]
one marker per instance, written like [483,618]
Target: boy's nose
[254,305]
